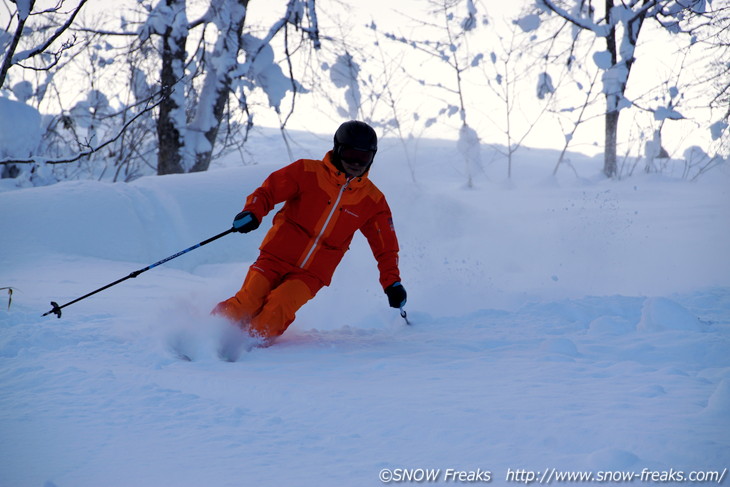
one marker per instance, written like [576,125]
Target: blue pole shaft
[57,309]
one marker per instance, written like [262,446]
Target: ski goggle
[357,157]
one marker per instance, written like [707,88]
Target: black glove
[396,295]
[245,222]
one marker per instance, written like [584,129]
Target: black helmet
[356,135]
[357,143]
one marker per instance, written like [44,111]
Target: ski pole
[56,309]
[405,316]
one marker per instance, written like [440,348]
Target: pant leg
[248,301]
[280,308]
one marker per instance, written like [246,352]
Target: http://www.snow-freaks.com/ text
[547,476]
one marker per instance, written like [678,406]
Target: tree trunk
[610,167]
[220,82]
[612,99]
[171,120]
[8,61]
[622,53]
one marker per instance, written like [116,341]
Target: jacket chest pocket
[349,218]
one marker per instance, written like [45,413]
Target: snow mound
[610,325]
[719,402]
[20,130]
[660,314]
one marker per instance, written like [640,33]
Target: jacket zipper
[324,226]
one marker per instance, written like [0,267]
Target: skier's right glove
[396,295]
[245,222]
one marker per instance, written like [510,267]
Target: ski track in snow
[525,352]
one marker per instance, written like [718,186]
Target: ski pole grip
[242,222]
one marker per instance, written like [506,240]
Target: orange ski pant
[269,298]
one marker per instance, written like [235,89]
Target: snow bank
[20,129]
[664,314]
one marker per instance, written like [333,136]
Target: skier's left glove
[396,295]
[245,222]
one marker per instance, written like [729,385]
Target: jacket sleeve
[380,233]
[280,186]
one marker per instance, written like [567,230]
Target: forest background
[117,91]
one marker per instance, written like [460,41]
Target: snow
[470,22]
[663,113]
[470,149]
[344,74]
[20,129]
[140,88]
[23,91]
[699,6]
[24,8]
[88,111]
[602,59]
[573,323]
[613,79]
[529,23]
[544,86]
[161,16]
[718,128]
[261,68]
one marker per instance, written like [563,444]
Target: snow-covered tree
[197,63]
[450,24]
[37,37]
[229,18]
[713,33]
[363,77]
[169,20]
[619,23]
[35,43]
[233,65]
[508,70]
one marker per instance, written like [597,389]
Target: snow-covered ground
[567,323]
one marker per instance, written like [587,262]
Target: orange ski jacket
[322,211]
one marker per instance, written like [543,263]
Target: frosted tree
[366,82]
[389,87]
[713,33]
[234,65]
[36,36]
[509,72]
[619,24]
[454,20]
[198,75]
[169,20]
[35,41]
[229,18]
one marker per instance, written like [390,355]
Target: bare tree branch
[43,47]
[148,107]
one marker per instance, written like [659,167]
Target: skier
[325,202]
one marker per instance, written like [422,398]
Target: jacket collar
[340,175]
